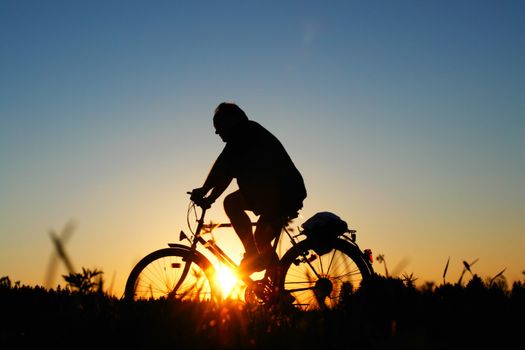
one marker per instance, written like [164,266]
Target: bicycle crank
[258,293]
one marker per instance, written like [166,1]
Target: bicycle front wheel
[322,280]
[171,273]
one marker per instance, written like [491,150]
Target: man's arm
[217,181]
[218,189]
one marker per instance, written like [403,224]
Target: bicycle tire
[318,281]
[155,276]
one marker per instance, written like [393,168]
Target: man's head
[226,117]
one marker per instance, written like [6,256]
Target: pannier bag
[323,228]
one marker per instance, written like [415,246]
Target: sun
[225,279]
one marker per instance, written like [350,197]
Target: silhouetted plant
[446,269]
[518,292]
[84,282]
[409,280]
[476,283]
[428,287]
[498,277]
[381,259]
[345,294]
[466,267]
[5,282]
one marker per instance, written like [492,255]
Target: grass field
[386,313]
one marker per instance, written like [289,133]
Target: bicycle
[309,275]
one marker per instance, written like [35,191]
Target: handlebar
[201,202]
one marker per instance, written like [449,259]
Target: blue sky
[405,117]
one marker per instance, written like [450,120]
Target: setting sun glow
[225,279]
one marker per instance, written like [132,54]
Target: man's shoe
[251,263]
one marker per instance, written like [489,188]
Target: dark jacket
[266,176]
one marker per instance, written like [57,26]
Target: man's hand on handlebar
[197,196]
[204,203]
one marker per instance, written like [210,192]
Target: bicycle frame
[211,246]
[214,249]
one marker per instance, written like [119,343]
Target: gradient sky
[406,118]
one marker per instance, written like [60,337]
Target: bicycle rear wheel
[157,274]
[321,281]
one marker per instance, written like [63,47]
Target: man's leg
[235,206]
[268,228]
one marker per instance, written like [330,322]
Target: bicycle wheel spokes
[156,279]
[320,281]
[156,276]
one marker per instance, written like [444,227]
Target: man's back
[265,173]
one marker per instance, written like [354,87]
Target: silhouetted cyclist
[269,184]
